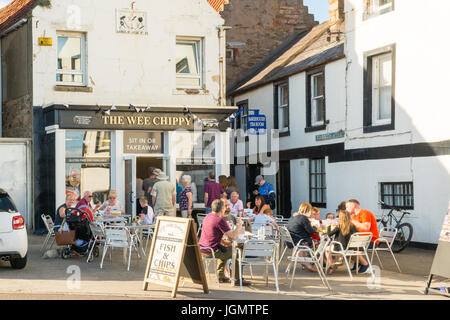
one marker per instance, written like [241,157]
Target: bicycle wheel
[404,236]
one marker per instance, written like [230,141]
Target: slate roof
[307,52]
[14,12]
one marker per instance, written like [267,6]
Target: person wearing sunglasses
[86,202]
[112,203]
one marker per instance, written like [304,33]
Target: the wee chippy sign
[175,255]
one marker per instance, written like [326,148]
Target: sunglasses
[112,198]
[90,196]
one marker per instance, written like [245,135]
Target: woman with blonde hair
[301,229]
[112,203]
[343,233]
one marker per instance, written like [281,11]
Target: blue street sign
[256,123]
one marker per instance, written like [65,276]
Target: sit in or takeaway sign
[142,142]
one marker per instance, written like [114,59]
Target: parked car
[13,233]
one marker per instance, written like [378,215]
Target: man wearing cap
[164,196]
[266,190]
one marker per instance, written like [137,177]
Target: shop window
[71,59]
[88,163]
[189,63]
[398,194]
[317,183]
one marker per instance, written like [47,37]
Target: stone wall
[17,119]
[259,26]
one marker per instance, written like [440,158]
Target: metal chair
[50,226]
[200,218]
[387,236]
[357,246]
[119,237]
[99,236]
[304,254]
[260,253]
[207,261]
[286,237]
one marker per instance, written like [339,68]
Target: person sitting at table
[265,218]
[228,217]
[330,220]
[260,205]
[112,203]
[236,204]
[342,232]
[146,215]
[214,227]
[85,203]
[300,228]
[61,211]
[316,223]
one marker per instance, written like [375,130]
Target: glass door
[130,185]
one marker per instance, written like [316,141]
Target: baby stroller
[77,220]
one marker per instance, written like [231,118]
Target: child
[330,220]
[147,215]
[315,222]
[266,218]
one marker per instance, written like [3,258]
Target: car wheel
[18,262]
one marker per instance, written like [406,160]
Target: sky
[319,8]
[4,3]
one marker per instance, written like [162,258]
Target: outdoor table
[235,265]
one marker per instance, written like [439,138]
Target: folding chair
[286,237]
[99,236]
[119,237]
[200,218]
[50,226]
[357,246]
[259,253]
[387,237]
[304,254]
[207,261]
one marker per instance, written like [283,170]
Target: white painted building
[385,131]
[109,84]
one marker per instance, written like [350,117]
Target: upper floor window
[315,100]
[241,120]
[379,89]
[282,107]
[377,7]
[189,63]
[71,60]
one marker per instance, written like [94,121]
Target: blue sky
[319,8]
[4,3]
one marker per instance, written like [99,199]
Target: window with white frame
[189,63]
[317,99]
[377,7]
[382,89]
[379,89]
[71,59]
[283,107]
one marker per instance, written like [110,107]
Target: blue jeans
[208,210]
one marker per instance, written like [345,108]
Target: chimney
[336,11]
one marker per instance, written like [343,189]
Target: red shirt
[213,228]
[365,216]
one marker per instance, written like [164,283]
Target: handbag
[63,238]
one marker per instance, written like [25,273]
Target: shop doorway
[136,170]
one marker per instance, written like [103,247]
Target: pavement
[53,279]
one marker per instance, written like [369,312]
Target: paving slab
[53,279]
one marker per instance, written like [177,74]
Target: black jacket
[340,237]
[300,228]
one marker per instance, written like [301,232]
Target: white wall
[127,68]
[419,29]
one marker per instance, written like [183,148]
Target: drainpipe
[222,81]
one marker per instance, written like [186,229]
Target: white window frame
[200,60]
[83,71]
[377,88]
[314,98]
[284,107]
[373,8]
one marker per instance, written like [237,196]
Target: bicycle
[404,230]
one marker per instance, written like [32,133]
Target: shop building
[111,90]
[356,113]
